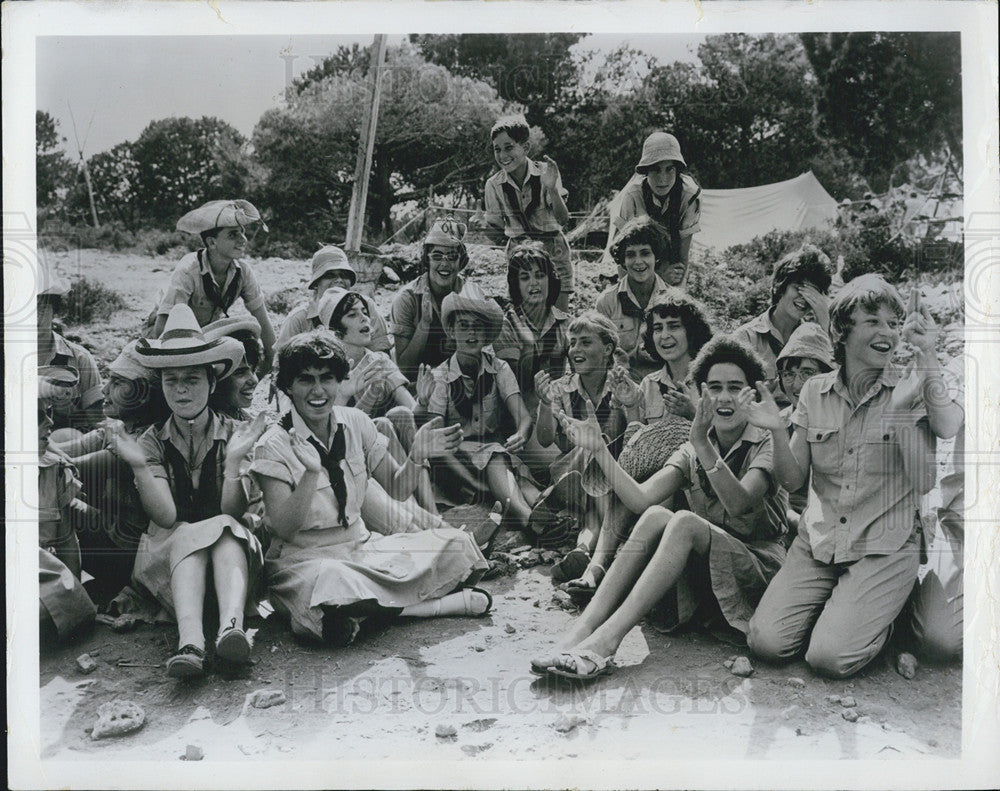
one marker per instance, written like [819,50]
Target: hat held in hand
[183,344]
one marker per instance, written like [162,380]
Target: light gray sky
[116,85]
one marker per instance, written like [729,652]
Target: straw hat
[220,214]
[809,340]
[448,232]
[183,344]
[485,309]
[227,326]
[331,259]
[659,147]
[128,366]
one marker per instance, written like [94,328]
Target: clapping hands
[623,387]
[585,433]
[765,413]
[424,384]
[434,439]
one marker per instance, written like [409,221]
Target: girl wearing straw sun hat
[187,473]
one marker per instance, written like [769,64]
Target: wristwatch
[719,464]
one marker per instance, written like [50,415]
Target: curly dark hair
[252,347]
[526,256]
[725,349]
[693,315]
[642,230]
[348,302]
[808,264]
[315,349]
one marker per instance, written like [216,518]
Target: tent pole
[366,147]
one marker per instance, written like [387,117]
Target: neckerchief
[463,402]
[331,463]
[544,346]
[514,204]
[668,215]
[205,502]
[219,300]
[629,308]
[734,462]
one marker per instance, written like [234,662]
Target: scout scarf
[219,300]
[669,214]
[545,346]
[331,463]
[464,402]
[514,203]
[194,505]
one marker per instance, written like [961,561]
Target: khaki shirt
[631,205]
[763,337]
[861,501]
[89,389]
[651,407]
[488,415]
[499,214]
[187,286]
[620,305]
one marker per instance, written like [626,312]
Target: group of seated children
[763,484]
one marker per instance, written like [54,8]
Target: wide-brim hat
[220,214]
[486,309]
[808,340]
[183,344]
[227,326]
[448,232]
[127,364]
[331,259]
[328,303]
[658,147]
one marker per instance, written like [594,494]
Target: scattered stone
[509,629]
[536,603]
[193,753]
[550,556]
[481,725]
[741,667]
[479,648]
[848,702]
[906,665]
[125,623]
[835,699]
[790,712]
[85,664]
[568,722]
[475,749]
[794,681]
[850,715]
[559,597]
[445,731]
[521,550]
[800,731]
[728,664]
[265,698]
[116,718]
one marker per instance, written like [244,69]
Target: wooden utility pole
[366,146]
[86,170]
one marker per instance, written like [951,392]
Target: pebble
[521,550]
[549,556]
[833,699]
[445,731]
[509,629]
[741,667]
[848,702]
[479,648]
[793,681]
[265,698]
[85,664]
[568,722]
[790,712]
[116,718]
[728,664]
[906,665]
[193,753]
[850,715]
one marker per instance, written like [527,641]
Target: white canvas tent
[737,216]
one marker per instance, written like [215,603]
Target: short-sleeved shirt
[632,204]
[620,305]
[304,318]
[861,501]
[86,393]
[763,337]
[548,348]
[532,202]
[407,309]
[379,397]
[651,391]
[365,448]
[497,383]
[187,286]
[768,519]
[58,484]
[570,396]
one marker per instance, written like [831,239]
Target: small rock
[536,603]
[481,725]
[850,715]
[790,712]
[793,681]
[549,556]
[848,702]
[274,648]
[479,648]
[559,597]
[567,722]
[800,731]
[444,731]
[85,664]
[741,667]
[521,550]
[125,623]
[728,664]
[265,698]
[193,753]
[116,718]
[509,629]
[835,699]
[906,665]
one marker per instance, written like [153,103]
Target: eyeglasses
[451,257]
[800,375]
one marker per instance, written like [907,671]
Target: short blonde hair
[869,292]
[601,326]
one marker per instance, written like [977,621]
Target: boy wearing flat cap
[211,279]
[332,269]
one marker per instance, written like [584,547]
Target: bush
[88,300]
[282,302]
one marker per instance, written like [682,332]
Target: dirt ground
[389,695]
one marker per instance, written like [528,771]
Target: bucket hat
[331,259]
[328,304]
[127,364]
[183,344]
[808,340]
[485,309]
[220,214]
[658,147]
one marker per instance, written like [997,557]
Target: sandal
[233,645]
[188,662]
[572,566]
[548,504]
[579,591]
[603,665]
[561,530]
[467,598]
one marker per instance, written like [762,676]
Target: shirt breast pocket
[880,452]
[628,333]
[824,449]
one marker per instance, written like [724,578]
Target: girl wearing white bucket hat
[188,475]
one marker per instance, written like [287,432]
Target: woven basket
[649,448]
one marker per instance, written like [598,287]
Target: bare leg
[452,604]
[592,519]
[231,577]
[187,585]
[685,533]
[504,487]
[424,493]
[615,527]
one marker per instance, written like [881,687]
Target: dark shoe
[557,497]
[561,530]
[188,662]
[233,645]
